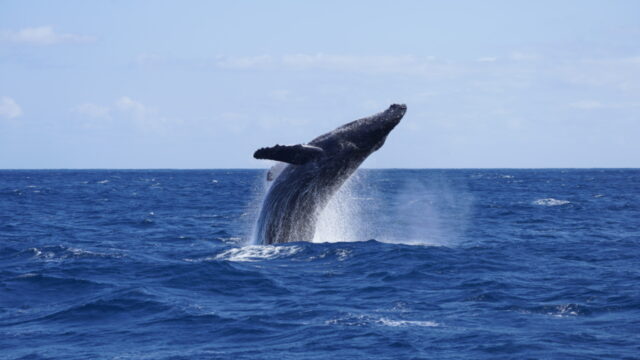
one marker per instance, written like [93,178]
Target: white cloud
[377,64]
[590,105]
[280,95]
[9,108]
[631,60]
[93,110]
[137,109]
[487,59]
[243,62]
[149,59]
[144,117]
[125,110]
[42,35]
[620,73]
[394,64]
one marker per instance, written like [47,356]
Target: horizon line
[375,168]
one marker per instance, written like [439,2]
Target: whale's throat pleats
[293,154]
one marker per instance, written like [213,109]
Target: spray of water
[340,219]
[427,211]
[260,190]
[417,211]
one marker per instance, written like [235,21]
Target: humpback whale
[308,175]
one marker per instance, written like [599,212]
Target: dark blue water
[467,264]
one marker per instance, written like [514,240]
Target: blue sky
[202,84]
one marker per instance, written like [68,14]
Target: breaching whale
[309,174]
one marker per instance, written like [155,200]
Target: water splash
[340,221]
[426,211]
[260,189]
[257,253]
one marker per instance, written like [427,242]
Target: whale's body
[313,172]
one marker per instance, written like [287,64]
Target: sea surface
[406,264]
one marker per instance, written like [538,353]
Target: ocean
[406,264]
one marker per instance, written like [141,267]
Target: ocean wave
[257,253]
[44,282]
[59,252]
[83,275]
[124,305]
[551,202]
[404,323]
[557,311]
[339,254]
[368,320]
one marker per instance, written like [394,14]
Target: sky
[203,84]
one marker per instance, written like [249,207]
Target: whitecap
[564,310]
[60,253]
[41,254]
[103,181]
[81,252]
[257,253]
[366,320]
[412,242]
[551,202]
[341,254]
[404,323]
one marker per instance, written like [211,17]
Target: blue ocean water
[414,264]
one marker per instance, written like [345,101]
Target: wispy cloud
[132,107]
[587,104]
[42,35]
[592,105]
[94,111]
[391,64]
[620,73]
[377,64]
[243,62]
[9,108]
[124,109]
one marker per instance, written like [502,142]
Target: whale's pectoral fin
[292,154]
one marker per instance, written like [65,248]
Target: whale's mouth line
[291,207]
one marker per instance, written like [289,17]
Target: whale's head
[369,134]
